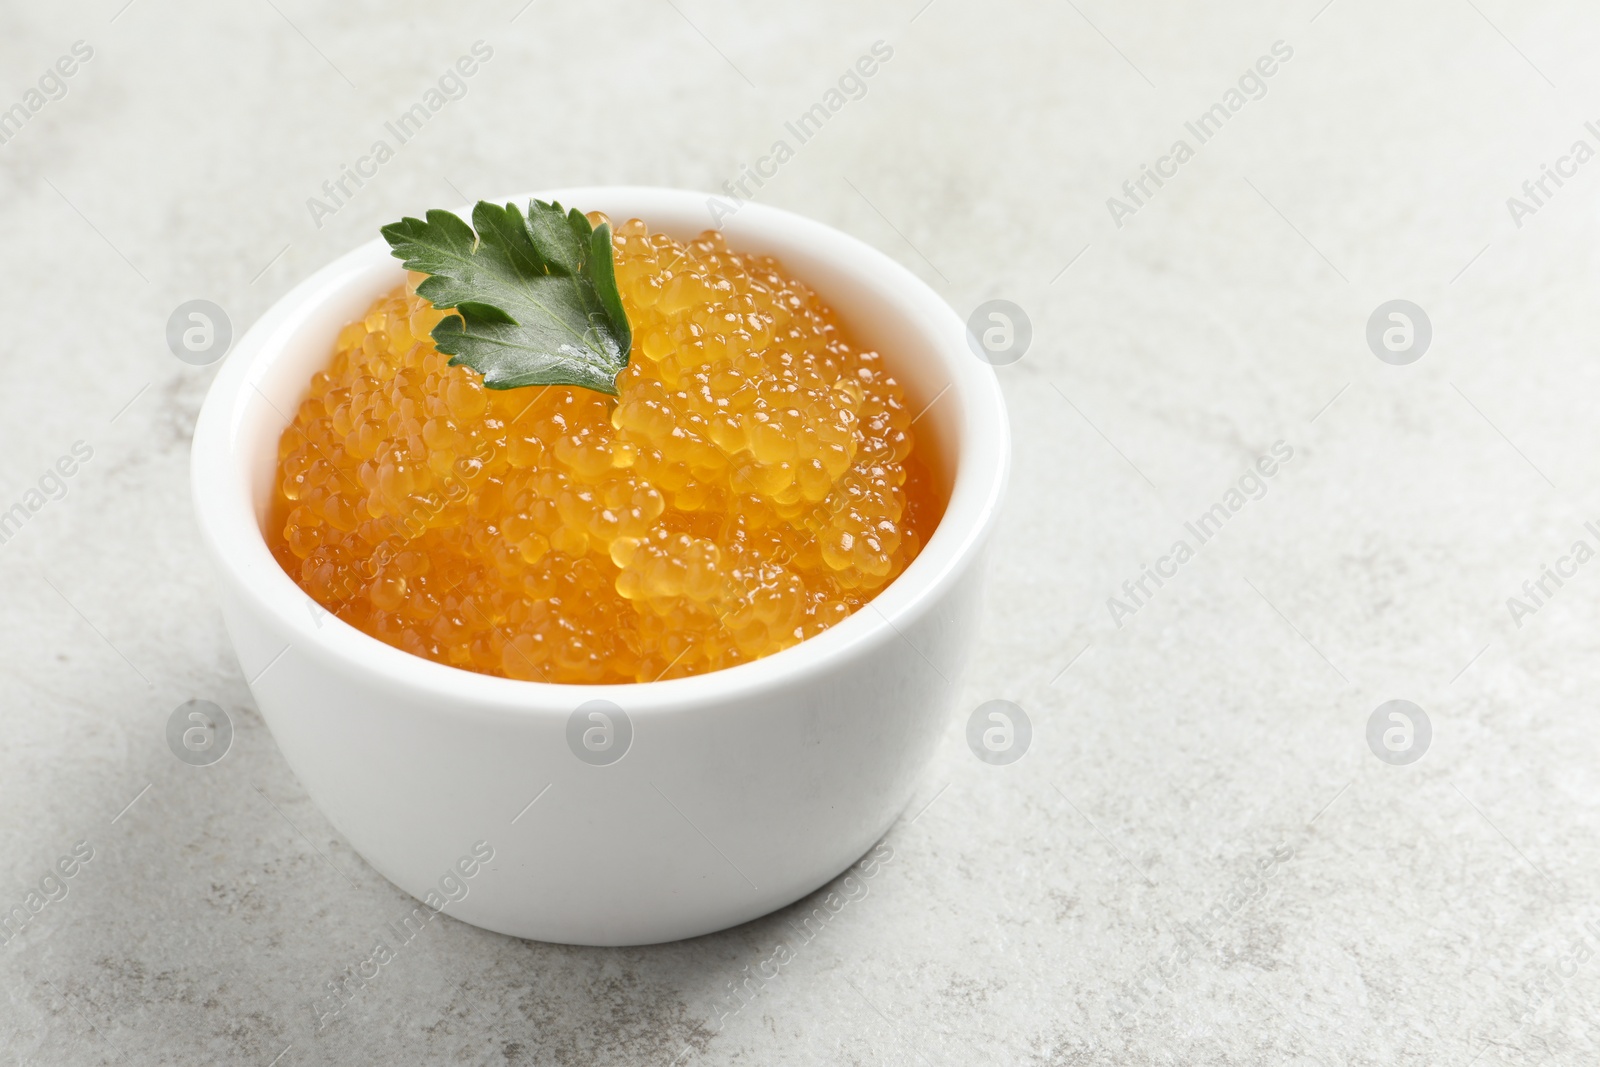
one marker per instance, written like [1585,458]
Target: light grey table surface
[1099,901]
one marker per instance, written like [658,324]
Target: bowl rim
[225,510]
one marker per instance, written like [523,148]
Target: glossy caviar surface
[755,482]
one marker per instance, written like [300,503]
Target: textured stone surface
[1411,912]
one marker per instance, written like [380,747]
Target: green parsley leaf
[535,297]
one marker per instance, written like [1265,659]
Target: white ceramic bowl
[742,790]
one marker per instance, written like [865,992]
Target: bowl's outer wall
[742,791]
[716,815]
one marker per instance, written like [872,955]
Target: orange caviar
[754,483]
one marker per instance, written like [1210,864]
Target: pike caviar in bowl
[675,656]
[755,480]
